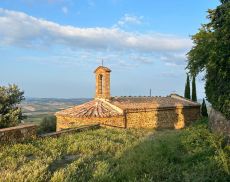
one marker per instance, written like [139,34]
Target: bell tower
[102,75]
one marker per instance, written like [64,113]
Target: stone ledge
[18,133]
[17,127]
[72,130]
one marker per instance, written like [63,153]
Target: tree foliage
[187,88]
[47,125]
[211,54]
[194,97]
[10,112]
[204,111]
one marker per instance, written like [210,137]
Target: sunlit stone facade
[172,111]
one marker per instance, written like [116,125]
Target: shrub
[10,113]
[202,145]
[47,125]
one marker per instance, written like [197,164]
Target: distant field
[36,109]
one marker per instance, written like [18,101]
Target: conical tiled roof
[95,108]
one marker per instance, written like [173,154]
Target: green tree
[47,125]
[187,88]
[10,112]
[194,97]
[204,111]
[211,54]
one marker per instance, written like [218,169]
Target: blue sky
[50,48]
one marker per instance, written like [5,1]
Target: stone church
[172,111]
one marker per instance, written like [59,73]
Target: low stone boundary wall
[218,123]
[72,130]
[18,133]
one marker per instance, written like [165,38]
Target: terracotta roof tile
[103,68]
[150,102]
[116,105]
[95,108]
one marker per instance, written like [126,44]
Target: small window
[100,84]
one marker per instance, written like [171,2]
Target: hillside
[37,108]
[192,154]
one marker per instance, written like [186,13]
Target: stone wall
[141,118]
[18,133]
[162,118]
[138,118]
[191,114]
[70,122]
[218,123]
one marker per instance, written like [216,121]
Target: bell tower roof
[102,68]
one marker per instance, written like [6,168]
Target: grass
[192,154]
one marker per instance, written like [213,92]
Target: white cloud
[129,19]
[22,30]
[65,10]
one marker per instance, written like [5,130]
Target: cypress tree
[187,88]
[194,97]
[204,111]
